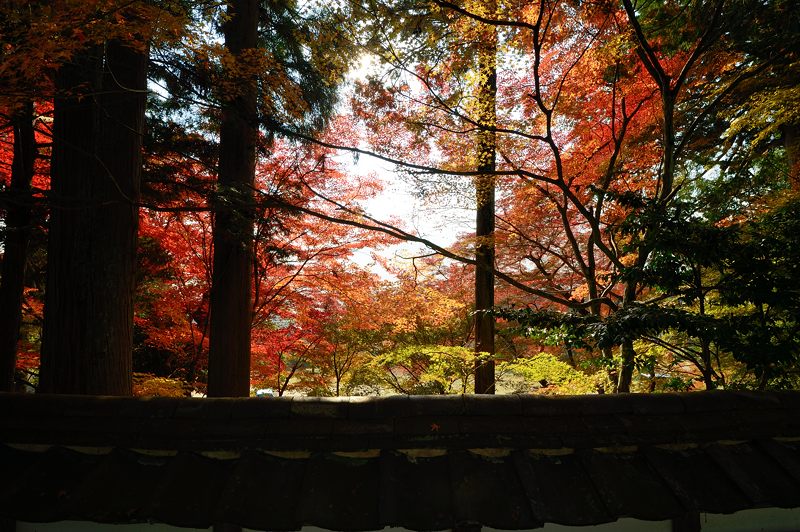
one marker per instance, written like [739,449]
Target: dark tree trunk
[628,355]
[705,345]
[231,292]
[707,370]
[17,222]
[791,143]
[626,350]
[486,98]
[613,370]
[64,364]
[96,171]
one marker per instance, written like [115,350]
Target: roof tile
[418,462]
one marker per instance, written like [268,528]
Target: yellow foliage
[767,110]
[629,259]
[148,385]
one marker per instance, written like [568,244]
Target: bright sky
[439,223]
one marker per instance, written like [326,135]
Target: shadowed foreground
[419,462]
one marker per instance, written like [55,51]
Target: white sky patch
[399,205]
[438,222]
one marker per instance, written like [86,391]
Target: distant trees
[22,81]
[17,231]
[607,114]
[685,213]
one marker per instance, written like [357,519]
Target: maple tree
[303,275]
[663,220]
[447,120]
[295,257]
[600,108]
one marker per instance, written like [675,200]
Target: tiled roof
[420,462]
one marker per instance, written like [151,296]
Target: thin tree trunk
[626,350]
[612,370]
[628,355]
[486,98]
[705,345]
[668,139]
[231,288]
[17,222]
[96,172]
[707,370]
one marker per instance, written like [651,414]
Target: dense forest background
[181,208]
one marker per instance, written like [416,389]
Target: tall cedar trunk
[791,143]
[96,172]
[231,292]
[486,98]
[17,222]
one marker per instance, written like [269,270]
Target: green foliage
[628,323]
[768,102]
[764,276]
[736,287]
[364,380]
[149,385]
[553,375]
[424,369]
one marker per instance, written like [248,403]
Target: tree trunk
[96,172]
[17,222]
[231,288]
[707,370]
[486,116]
[791,143]
[628,355]
[626,350]
[612,370]
[705,345]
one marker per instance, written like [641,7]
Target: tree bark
[231,286]
[17,222]
[96,172]
[486,117]
[705,345]
[628,355]
[626,350]
[791,143]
